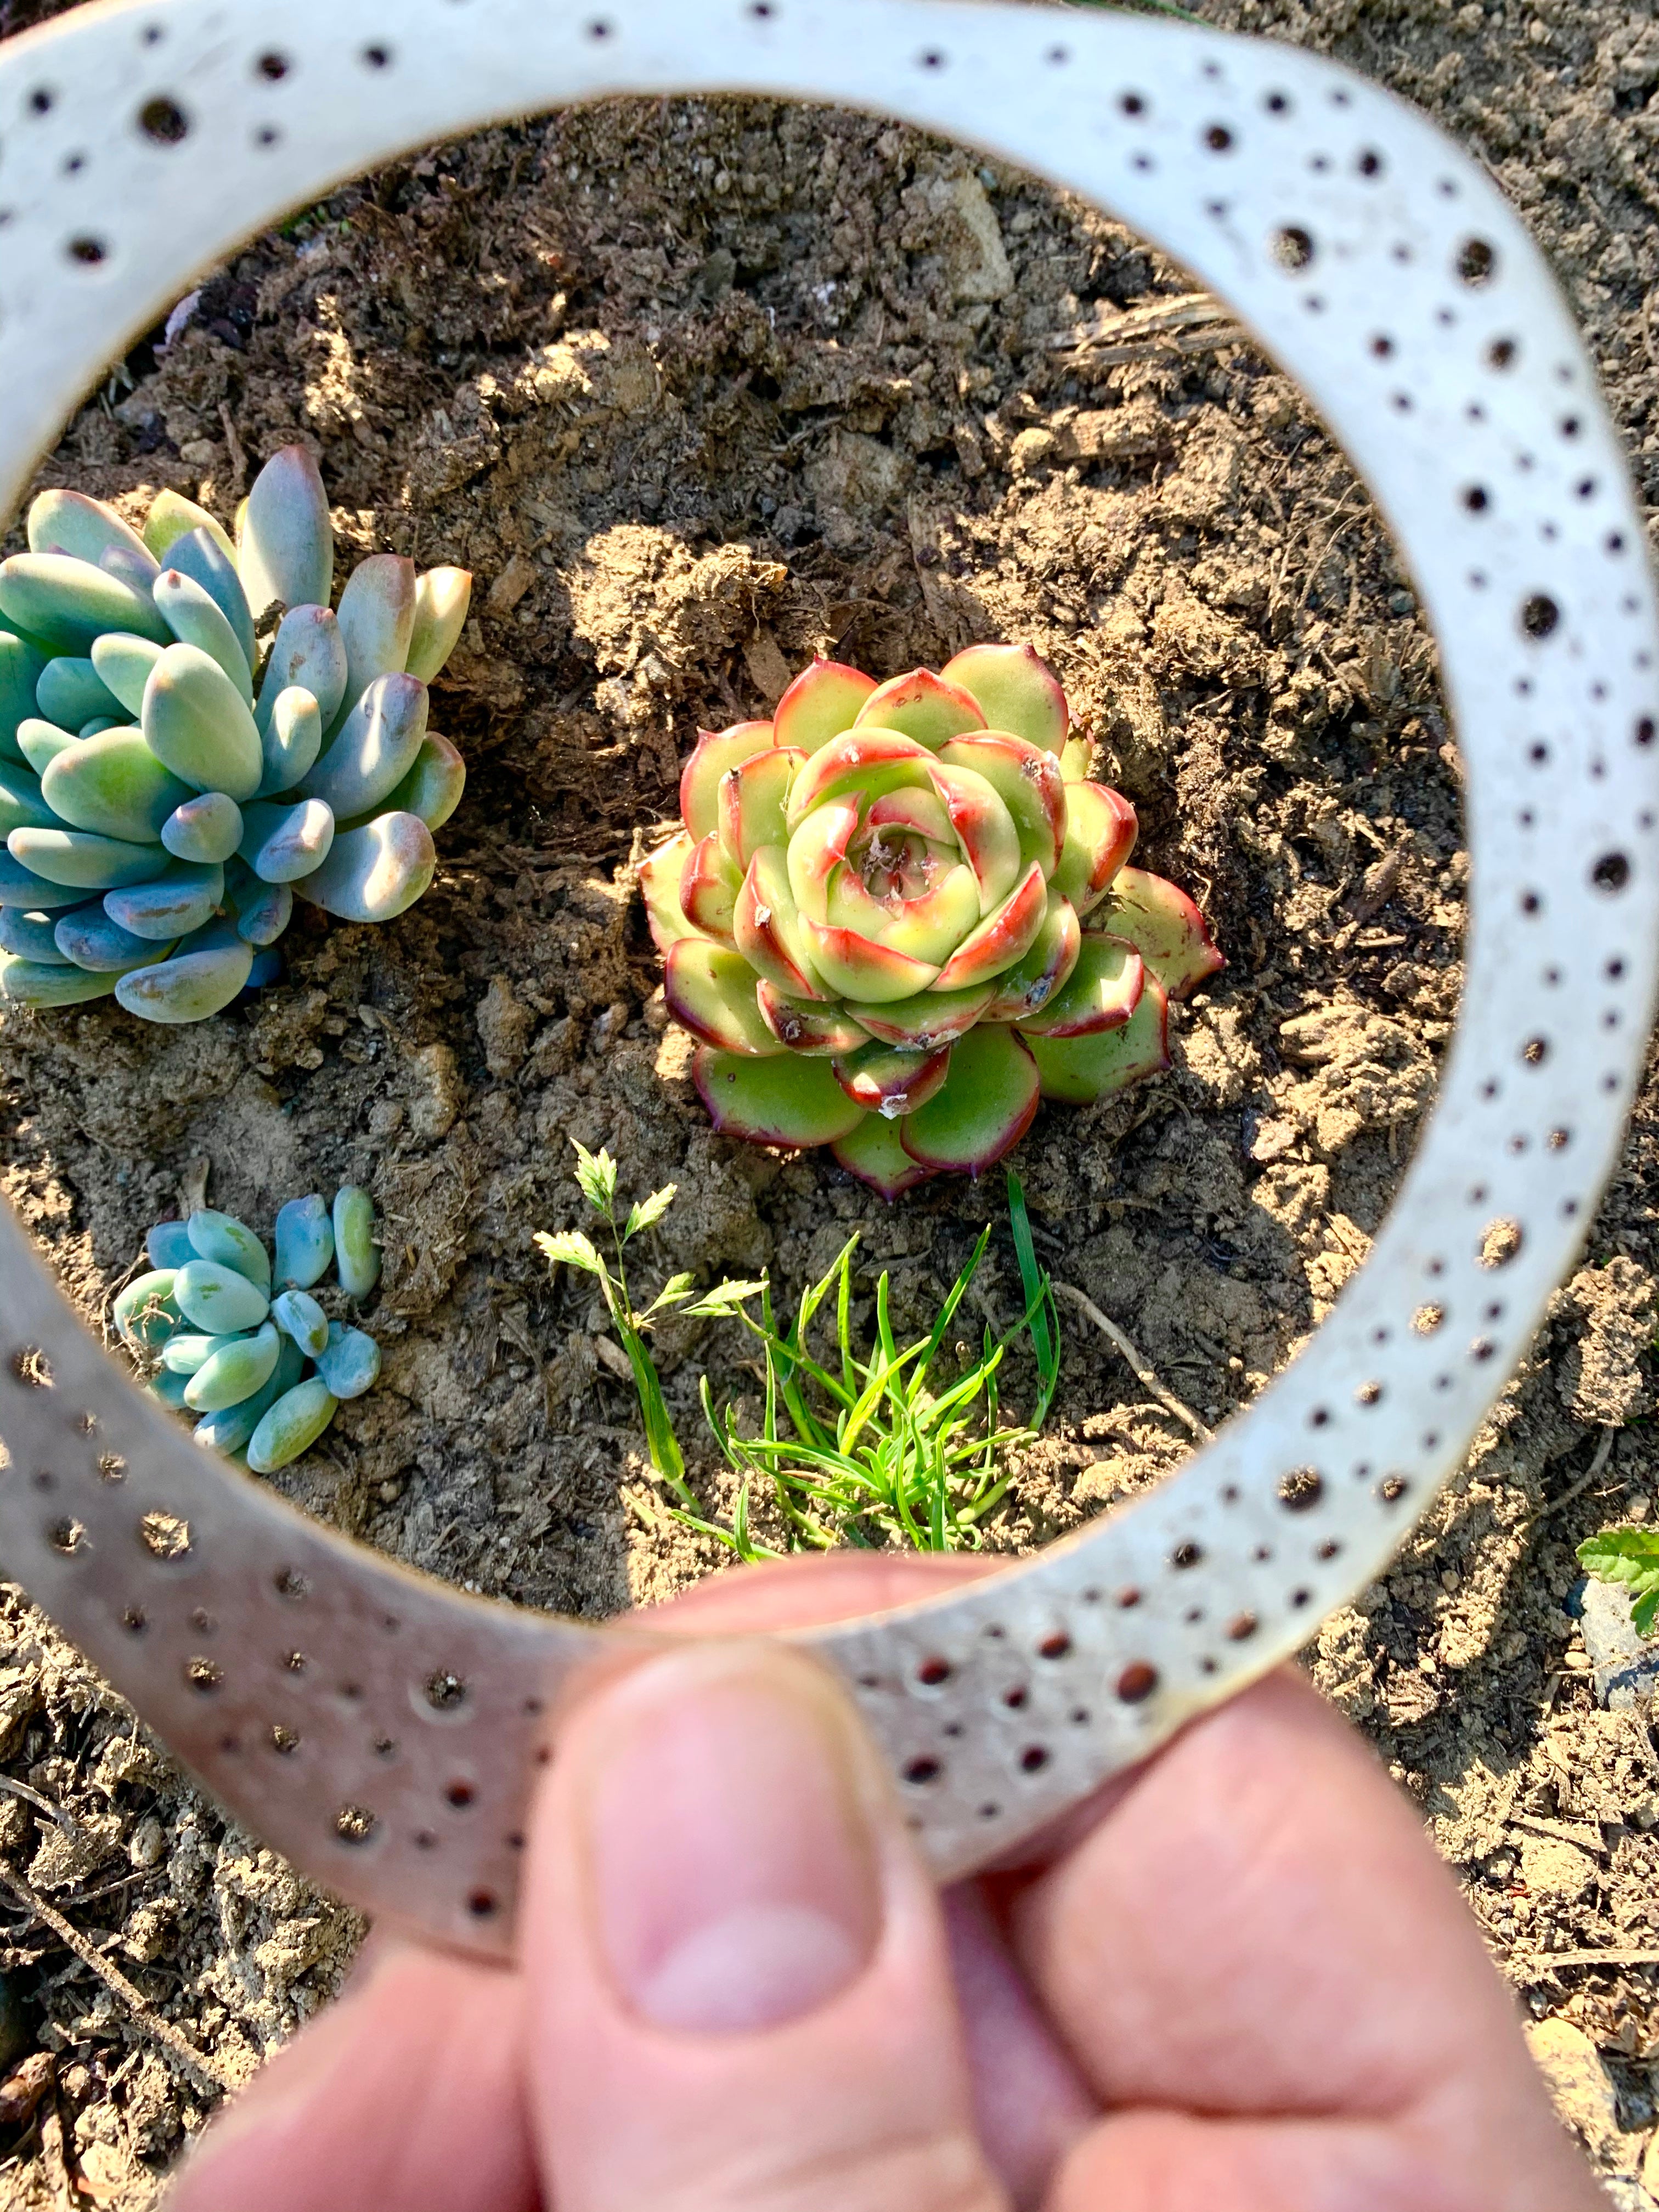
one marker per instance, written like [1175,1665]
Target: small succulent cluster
[161,808]
[897,915]
[245,1345]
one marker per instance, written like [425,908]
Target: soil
[696,389]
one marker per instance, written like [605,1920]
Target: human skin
[1238,1981]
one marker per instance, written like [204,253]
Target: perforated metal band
[382,1729]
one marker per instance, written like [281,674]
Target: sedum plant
[238,1340]
[168,784]
[897,915]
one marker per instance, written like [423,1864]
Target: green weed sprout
[1630,1556]
[596,1173]
[875,1454]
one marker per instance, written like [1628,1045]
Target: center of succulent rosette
[903,848]
[899,866]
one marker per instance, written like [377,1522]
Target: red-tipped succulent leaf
[1101,827]
[751,798]
[708,889]
[868,763]
[875,1153]
[985,830]
[930,1019]
[924,706]
[1161,922]
[855,967]
[1015,689]
[1029,783]
[711,992]
[823,700]
[1026,989]
[1078,1070]
[885,1080]
[984,1108]
[1101,992]
[814,1026]
[1002,939]
[766,930]
[789,1102]
[659,887]
[714,752]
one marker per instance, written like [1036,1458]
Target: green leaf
[662,1443]
[649,1211]
[1040,1315]
[724,1301]
[1644,1613]
[597,1173]
[674,1292]
[1630,1556]
[570,1248]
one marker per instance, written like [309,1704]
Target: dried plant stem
[206,2071]
[1603,1452]
[1143,1373]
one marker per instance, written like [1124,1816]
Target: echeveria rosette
[167,787]
[898,916]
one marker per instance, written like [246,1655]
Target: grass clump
[863,1445]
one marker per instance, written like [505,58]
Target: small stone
[1582,2092]
[146,1845]
[504,1026]
[1624,1666]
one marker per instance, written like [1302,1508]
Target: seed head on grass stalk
[596,1173]
[874,1454]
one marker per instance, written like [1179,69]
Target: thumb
[739,1988]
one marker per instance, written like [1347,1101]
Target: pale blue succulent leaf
[356,1248]
[71,692]
[292,1426]
[168,1244]
[350,1362]
[195,617]
[182,898]
[206,828]
[304,1243]
[298,1314]
[200,556]
[222,1237]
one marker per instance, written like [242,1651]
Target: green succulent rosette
[190,737]
[897,916]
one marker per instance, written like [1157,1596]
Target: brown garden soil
[698,389]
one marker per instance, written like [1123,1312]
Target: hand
[1238,1982]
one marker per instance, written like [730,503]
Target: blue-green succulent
[245,1345]
[191,738]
